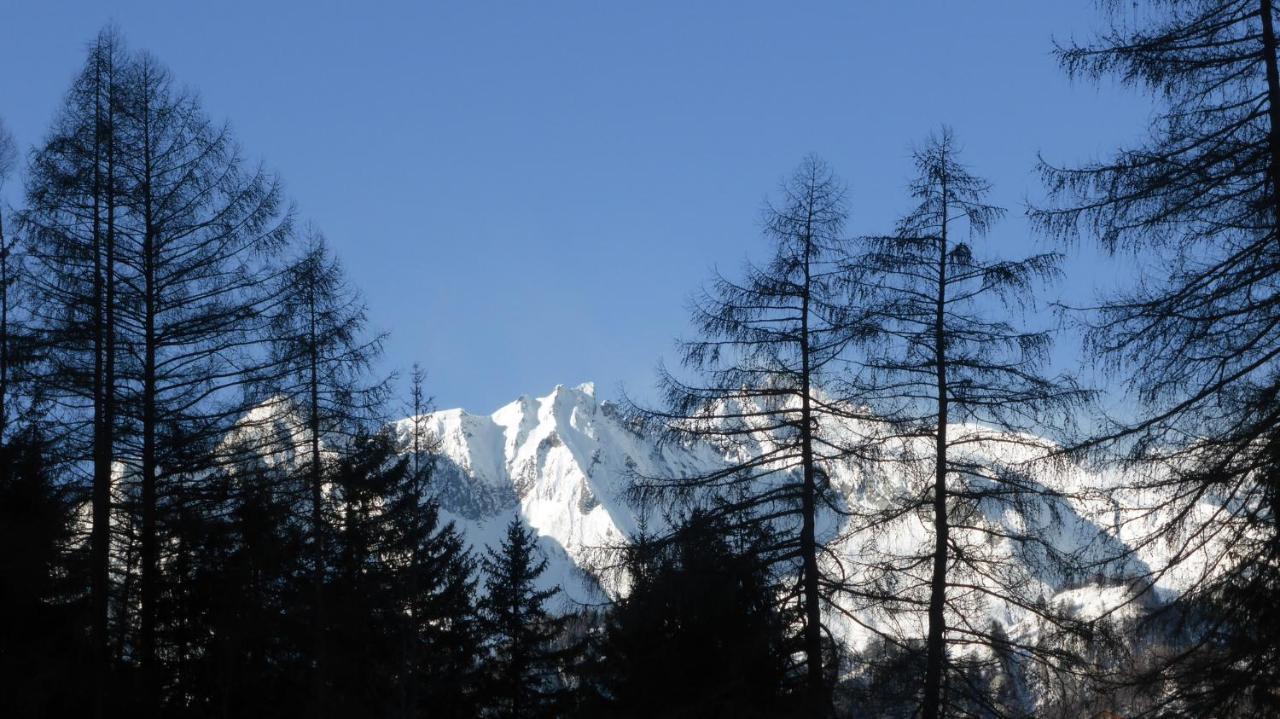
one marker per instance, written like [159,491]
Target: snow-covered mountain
[562,463]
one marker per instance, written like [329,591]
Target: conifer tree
[416,507]
[1195,341]
[153,244]
[363,623]
[445,632]
[421,445]
[199,231]
[320,358]
[522,676]
[243,594]
[8,284]
[697,633]
[74,193]
[400,593]
[945,373]
[768,343]
[43,612]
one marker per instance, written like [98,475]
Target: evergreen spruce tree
[404,625]
[44,617]
[698,632]
[523,673]
[434,578]
[415,507]
[363,609]
[248,654]
[445,633]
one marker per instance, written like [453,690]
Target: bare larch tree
[954,385]
[767,343]
[1196,340]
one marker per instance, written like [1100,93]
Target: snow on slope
[562,464]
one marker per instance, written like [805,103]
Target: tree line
[207,514]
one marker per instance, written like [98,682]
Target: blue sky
[527,193]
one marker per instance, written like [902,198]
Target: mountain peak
[563,463]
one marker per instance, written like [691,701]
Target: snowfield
[562,463]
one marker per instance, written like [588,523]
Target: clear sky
[528,192]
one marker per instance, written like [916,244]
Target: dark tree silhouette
[153,244]
[446,636]
[74,193]
[201,230]
[698,633]
[434,628]
[363,604]
[945,376]
[8,285]
[44,623]
[522,676]
[249,640]
[320,359]
[417,522]
[1195,341]
[768,342]
[187,374]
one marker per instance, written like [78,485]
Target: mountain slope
[562,463]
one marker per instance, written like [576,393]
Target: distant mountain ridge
[562,463]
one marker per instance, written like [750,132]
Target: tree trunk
[409,639]
[4,325]
[1273,140]
[150,553]
[317,516]
[101,497]
[1273,104]
[108,433]
[808,539]
[936,644]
